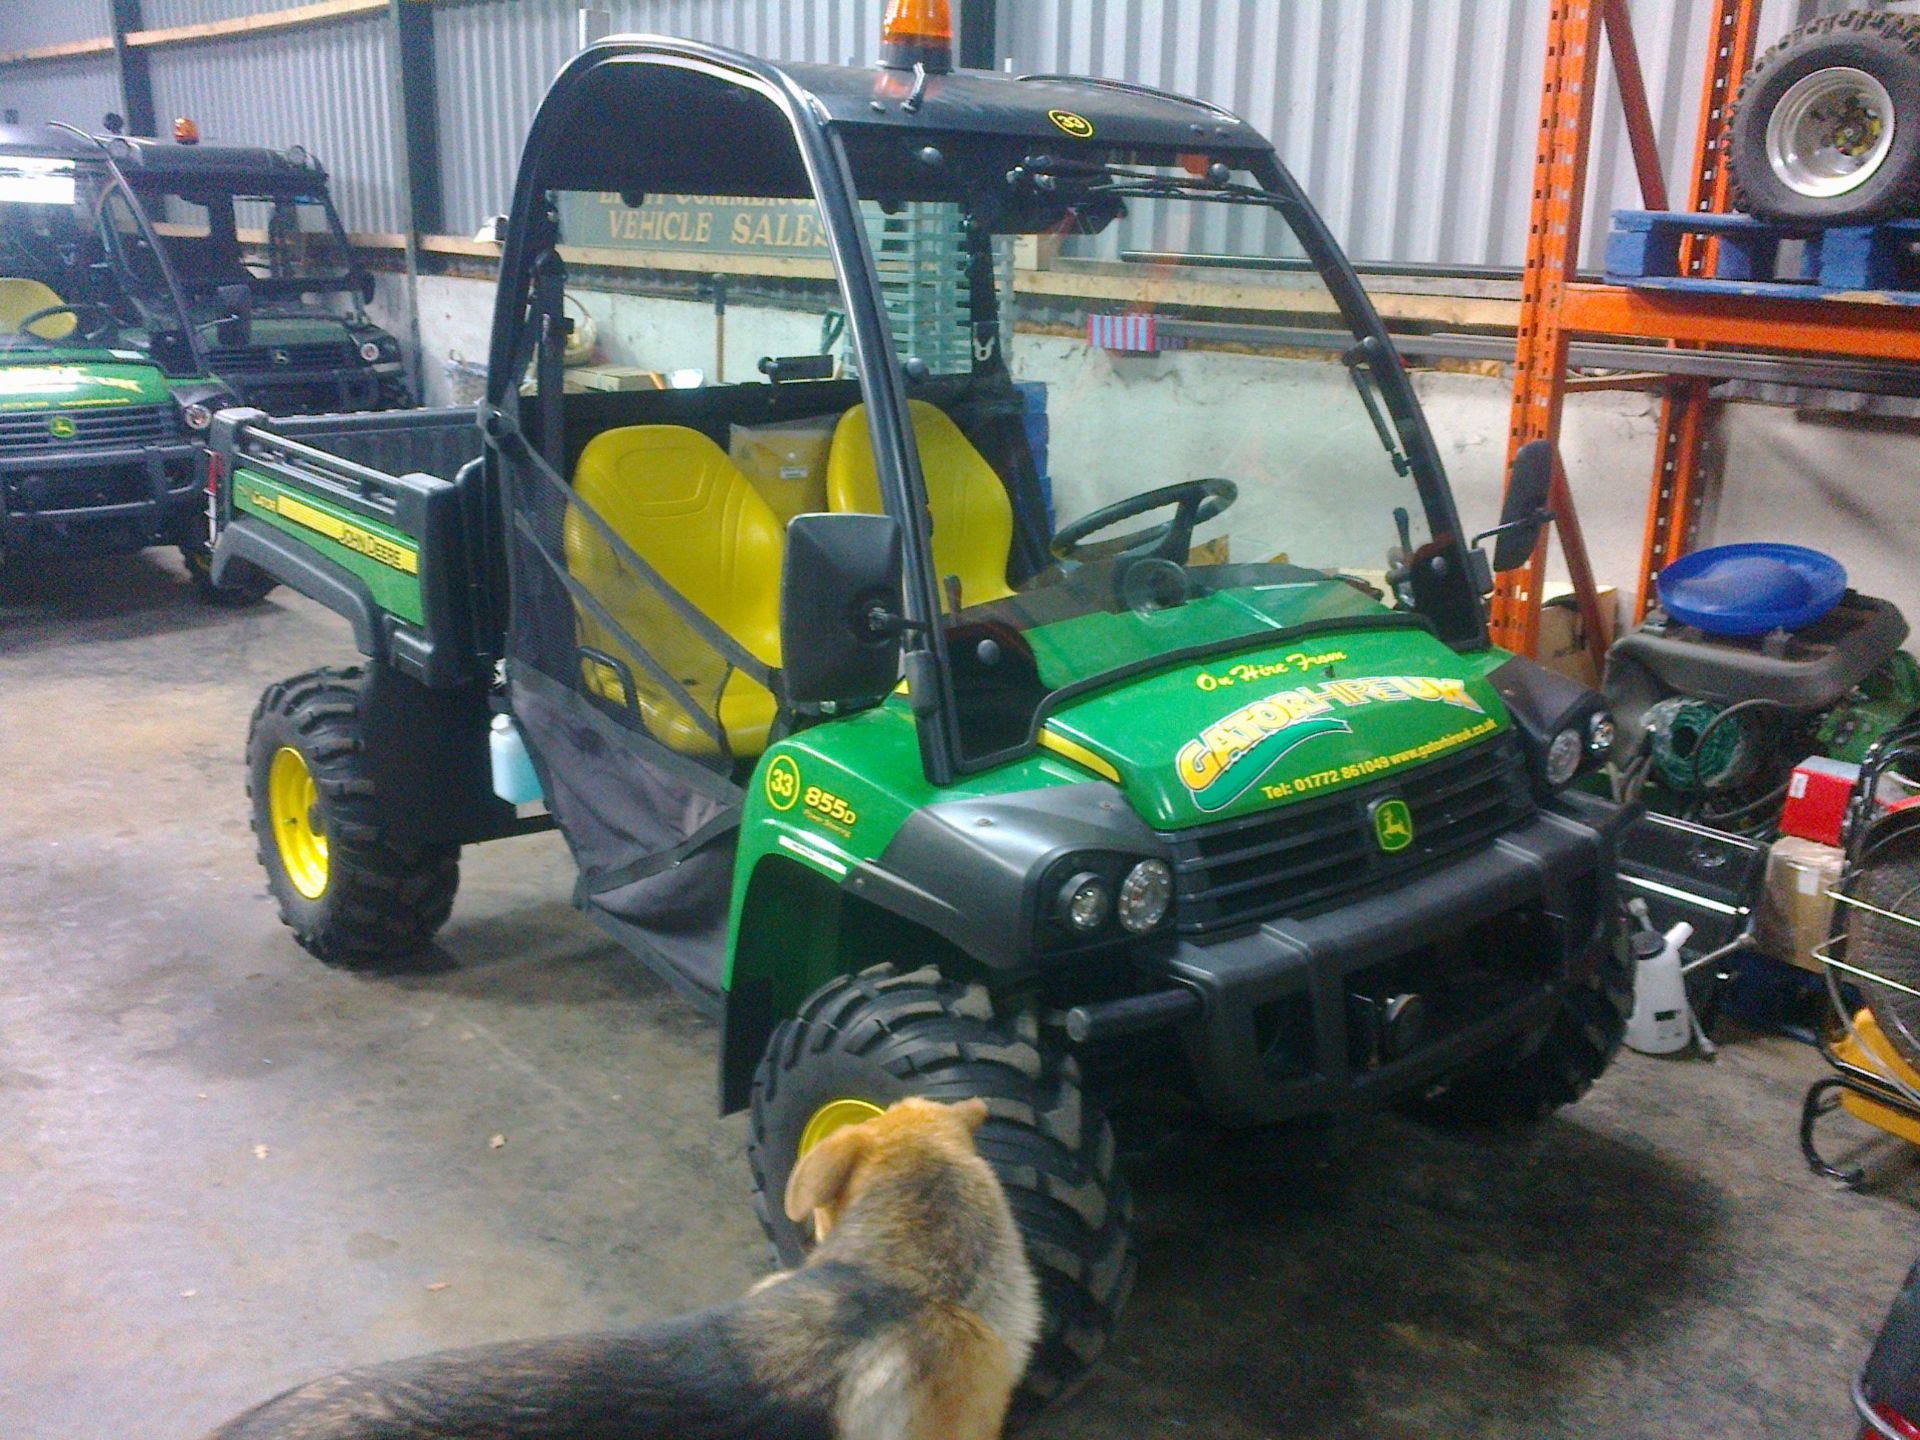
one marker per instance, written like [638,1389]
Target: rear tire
[350,894]
[1805,139]
[1580,1043]
[880,1036]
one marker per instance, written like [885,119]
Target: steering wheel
[1197,502]
[104,323]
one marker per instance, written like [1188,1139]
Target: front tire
[1580,1043]
[1826,128]
[351,894]
[245,583]
[864,1041]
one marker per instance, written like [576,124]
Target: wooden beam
[318,13]
[1077,283]
[65,50]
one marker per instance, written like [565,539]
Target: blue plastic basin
[1751,589]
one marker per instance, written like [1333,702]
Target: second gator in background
[142,286]
[241,222]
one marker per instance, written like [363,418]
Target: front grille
[302,355]
[32,432]
[1303,856]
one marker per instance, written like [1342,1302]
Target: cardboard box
[1796,909]
[1563,644]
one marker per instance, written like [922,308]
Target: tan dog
[912,1320]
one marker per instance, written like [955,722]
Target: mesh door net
[642,639]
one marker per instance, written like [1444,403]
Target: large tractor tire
[350,894]
[863,1041]
[1580,1043]
[1826,128]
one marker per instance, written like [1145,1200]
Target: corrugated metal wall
[328,89]
[25,24]
[1410,121]
[79,92]
[494,62]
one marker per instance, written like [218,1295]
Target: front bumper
[100,501]
[1288,1026]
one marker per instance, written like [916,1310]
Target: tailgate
[388,548]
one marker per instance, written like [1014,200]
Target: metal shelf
[1556,305]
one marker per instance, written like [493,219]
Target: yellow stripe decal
[365,542]
[1080,755]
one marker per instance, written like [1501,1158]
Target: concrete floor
[225,1168]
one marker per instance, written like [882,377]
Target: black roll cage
[532,232]
[117,180]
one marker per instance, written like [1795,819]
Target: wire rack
[1871,959]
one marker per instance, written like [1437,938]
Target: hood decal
[1232,754]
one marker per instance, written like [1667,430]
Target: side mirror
[368,288]
[1525,510]
[840,622]
[235,328]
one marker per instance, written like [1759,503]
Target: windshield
[286,247]
[1114,473]
[76,267]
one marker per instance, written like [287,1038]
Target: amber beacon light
[917,32]
[186,131]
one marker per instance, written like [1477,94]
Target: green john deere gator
[101,389]
[1215,790]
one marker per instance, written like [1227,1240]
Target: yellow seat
[20,297]
[972,517]
[673,496]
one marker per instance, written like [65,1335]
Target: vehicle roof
[989,102]
[46,141]
[695,104]
[142,158]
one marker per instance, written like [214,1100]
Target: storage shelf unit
[1555,307]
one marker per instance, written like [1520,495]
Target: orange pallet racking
[1555,305]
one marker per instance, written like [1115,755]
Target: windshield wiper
[1359,362]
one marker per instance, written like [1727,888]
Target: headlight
[196,416]
[1145,895]
[369,351]
[1600,734]
[1564,756]
[1084,902]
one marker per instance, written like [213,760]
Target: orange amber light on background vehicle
[186,131]
[917,32]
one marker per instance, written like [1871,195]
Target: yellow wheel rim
[832,1116]
[292,804]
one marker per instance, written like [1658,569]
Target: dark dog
[911,1320]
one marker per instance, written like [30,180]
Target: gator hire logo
[61,427]
[1231,755]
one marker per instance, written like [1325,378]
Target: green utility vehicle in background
[1216,792]
[102,393]
[258,227]
[142,286]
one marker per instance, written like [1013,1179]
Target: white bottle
[513,777]
[1661,1021]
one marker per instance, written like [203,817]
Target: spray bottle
[1661,1022]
